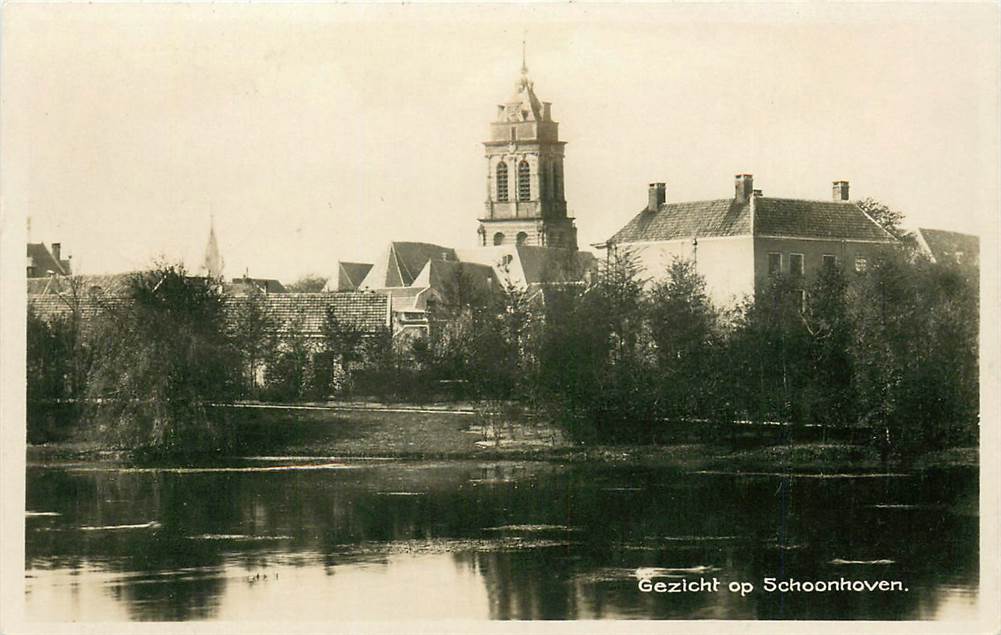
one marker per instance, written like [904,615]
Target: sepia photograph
[500,317]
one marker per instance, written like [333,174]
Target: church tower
[525,201]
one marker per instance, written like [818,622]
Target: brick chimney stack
[656,196]
[56,249]
[743,187]
[840,191]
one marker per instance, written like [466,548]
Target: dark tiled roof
[44,262]
[350,274]
[444,275]
[307,312]
[815,219]
[551,264]
[674,221]
[87,307]
[110,284]
[411,258]
[946,244]
[792,218]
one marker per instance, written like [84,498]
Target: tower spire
[212,264]
[524,59]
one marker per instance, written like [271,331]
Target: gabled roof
[940,244]
[448,278]
[44,263]
[781,217]
[351,274]
[411,257]
[402,262]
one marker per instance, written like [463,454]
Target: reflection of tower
[212,264]
[525,200]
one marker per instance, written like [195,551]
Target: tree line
[892,351]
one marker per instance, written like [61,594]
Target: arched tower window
[557,181]
[524,186]
[522,237]
[502,182]
[499,238]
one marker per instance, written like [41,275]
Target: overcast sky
[318,133]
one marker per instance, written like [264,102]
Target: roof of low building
[782,217]
[54,306]
[941,243]
[306,313]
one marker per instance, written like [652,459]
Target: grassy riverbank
[402,432]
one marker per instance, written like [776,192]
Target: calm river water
[322,539]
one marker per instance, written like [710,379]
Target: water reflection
[385,540]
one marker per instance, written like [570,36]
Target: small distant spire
[212,264]
[524,59]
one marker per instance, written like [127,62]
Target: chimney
[656,196]
[757,193]
[56,248]
[840,191]
[743,187]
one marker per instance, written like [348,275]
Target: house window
[860,264]
[521,238]
[796,264]
[512,133]
[502,182]
[524,186]
[830,262]
[499,238]
[774,263]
